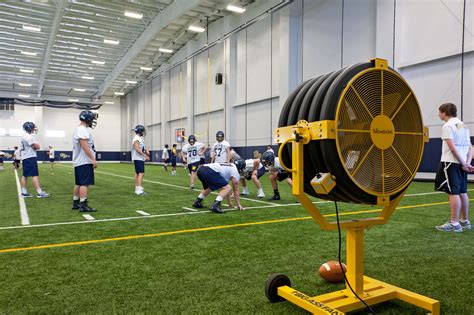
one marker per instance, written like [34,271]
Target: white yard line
[189,209]
[25,219]
[142,212]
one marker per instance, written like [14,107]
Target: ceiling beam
[165,17]
[60,6]
[59,98]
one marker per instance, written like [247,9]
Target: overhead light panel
[73,100]
[111,41]
[28,53]
[165,50]
[109,102]
[98,62]
[24,95]
[119,93]
[26,70]
[146,68]
[133,15]
[235,8]
[31,28]
[79,90]
[24,84]
[196,28]
[131,81]
[86,77]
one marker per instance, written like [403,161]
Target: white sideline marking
[25,219]
[142,212]
[88,217]
[189,209]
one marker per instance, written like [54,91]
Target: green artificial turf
[217,271]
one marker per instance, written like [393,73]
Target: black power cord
[369,309]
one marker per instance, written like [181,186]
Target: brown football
[331,271]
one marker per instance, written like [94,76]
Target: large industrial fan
[354,135]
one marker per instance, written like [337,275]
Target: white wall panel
[140,105]
[156,100]
[201,125]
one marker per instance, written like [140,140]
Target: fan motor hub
[382,132]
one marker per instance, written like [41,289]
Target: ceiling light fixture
[109,102]
[131,81]
[134,15]
[97,62]
[28,53]
[165,50]
[235,8]
[24,84]
[31,28]
[196,28]
[24,95]
[87,77]
[79,90]
[27,70]
[119,93]
[111,41]
[73,100]
[146,68]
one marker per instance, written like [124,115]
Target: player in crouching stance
[191,154]
[139,155]
[83,158]
[216,176]
[272,164]
[253,171]
[29,146]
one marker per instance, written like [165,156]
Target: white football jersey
[79,157]
[457,131]
[226,170]
[135,155]
[219,151]
[51,153]
[17,154]
[249,167]
[192,152]
[26,143]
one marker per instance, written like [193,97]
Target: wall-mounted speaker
[218,78]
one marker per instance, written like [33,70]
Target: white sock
[137,188]
[454,223]
[201,196]
[246,190]
[75,198]
[24,191]
[219,198]
[260,191]
[39,191]
[82,199]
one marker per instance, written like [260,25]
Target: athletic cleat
[275,197]
[85,208]
[449,227]
[75,205]
[27,195]
[261,195]
[466,225]
[191,187]
[197,204]
[42,195]
[216,207]
[244,193]
[140,193]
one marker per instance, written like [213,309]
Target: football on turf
[331,271]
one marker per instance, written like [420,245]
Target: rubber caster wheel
[275,281]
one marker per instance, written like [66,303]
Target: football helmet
[89,118]
[140,130]
[268,159]
[192,139]
[240,164]
[220,136]
[30,127]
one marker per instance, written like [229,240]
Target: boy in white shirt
[140,154]
[221,149]
[455,164]
[51,156]
[29,159]
[165,156]
[84,160]
[16,158]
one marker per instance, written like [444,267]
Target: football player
[83,159]
[51,156]
[216,176]
[191,155]
[272,164]
[174,154]
[140,154]
[165,156]
[221,149]
[17,158]
[29,159]
[253,171]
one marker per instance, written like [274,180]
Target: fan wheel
[379,133]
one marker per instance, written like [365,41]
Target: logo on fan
[382,131]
